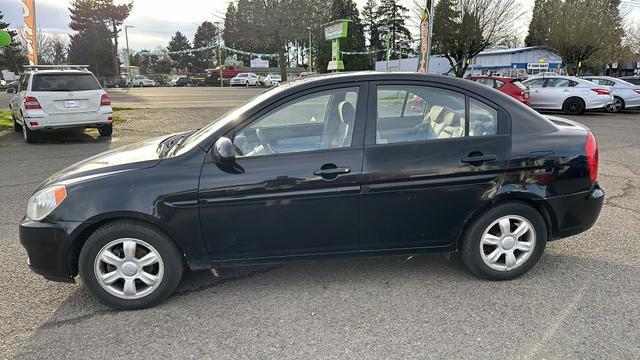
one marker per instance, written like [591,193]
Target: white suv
[246,79]
[53,97]
[142,81]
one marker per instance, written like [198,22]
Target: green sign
[335,31]
[5,38]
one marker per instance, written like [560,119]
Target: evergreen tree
[92,46]
[370,21]
[540,25]
[206,35]
[86,13]
[11,57]
[392,24]
[180,42]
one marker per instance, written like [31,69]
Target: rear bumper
[49,247]
[575,213]
[596,102]
[60,121]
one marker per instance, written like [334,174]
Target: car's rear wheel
[574,106]
[616,106]
[106,130]
[505,242]
[29,135]
[16,127]
[130,265]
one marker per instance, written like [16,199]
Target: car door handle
[332,171]
[478,159]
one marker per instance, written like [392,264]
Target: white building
[504,62]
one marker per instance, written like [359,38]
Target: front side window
[440,114]
[319,121]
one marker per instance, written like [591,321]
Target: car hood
[135,156]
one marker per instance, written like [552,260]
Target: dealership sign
[538,66]
[259,63]
[335,31]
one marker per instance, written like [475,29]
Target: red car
[510,86]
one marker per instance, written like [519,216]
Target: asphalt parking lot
[581,301]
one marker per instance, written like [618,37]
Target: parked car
[179,81]
[271,80]
[335,165]
[567,93]
[245,79]
[142,81]
[510,86]
[625,94]
[52,97]
[635,80]
[116,82]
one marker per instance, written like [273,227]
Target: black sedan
[336,165]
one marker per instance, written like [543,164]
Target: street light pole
[431,17]
[220,74]
[126,37]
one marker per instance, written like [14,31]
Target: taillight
[591,148]
[637,90]
[601,91]
[105,100]
[31,103]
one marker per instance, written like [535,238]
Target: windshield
[64,82]
[200,135]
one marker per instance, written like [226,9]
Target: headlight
[42,203]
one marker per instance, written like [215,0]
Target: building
[503,62]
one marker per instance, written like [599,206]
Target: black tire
[16,127]
[617,106]
[29,135]
[574,106]
[169,252]
[471,246]
[106,130]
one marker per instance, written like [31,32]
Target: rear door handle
[478,159]
[332,171]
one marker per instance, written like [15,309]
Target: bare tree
[50,48]
[464,28]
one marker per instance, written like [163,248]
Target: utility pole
[431,17]
[310,51]
[220,62]
[388,51]
[126,37]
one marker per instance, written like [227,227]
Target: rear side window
[64,82]
[558,83]
[499,84]
[483,119]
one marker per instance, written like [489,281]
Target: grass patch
[6,123]
[123,108]
[117,118]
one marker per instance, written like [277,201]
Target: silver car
[625,94]
[567,93]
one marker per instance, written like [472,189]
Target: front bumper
[575,213]
[49,247]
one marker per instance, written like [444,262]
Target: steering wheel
[264,142]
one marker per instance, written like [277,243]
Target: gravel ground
[581,301]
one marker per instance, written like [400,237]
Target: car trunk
[67,93]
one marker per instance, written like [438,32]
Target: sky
[156,21]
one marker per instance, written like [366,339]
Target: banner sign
[190,51]
[259,63]
[29,14]
[537,66]
[424,43]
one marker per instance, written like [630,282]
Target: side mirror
[11,90]
[224,151]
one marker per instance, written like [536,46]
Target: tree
[50,49]
[206,35]
[11,57]
[392,17]
[92,46]
[464,28]
[581,28]
[180,42]
[86,13]
[372,28]
[541,20]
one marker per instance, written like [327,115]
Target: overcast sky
[157,20]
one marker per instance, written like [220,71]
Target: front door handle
[478,159]
[332,171]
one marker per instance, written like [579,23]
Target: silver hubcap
[129,268]
[507,243]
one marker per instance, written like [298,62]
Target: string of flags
[205,48]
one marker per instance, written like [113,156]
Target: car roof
[47,72]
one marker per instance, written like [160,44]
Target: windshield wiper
[172,142]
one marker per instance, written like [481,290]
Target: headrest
[434,114]
[449,118]
[346,111]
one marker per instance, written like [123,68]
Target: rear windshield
[64,82]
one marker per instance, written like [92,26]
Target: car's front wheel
[130,265]
[505,242]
